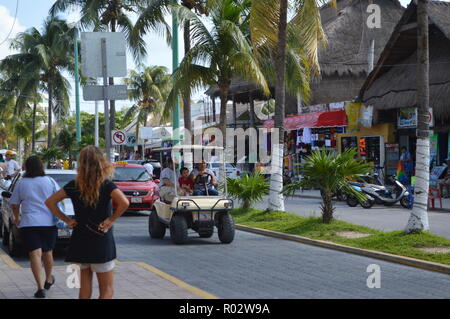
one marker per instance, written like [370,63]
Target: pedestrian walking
[405,168]
[92,244]
[12,167]
[36,223]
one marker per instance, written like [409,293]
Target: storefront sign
[407,117]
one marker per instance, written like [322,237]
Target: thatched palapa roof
[392,84]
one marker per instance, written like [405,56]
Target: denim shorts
[99,268]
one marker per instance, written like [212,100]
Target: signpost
[104,55]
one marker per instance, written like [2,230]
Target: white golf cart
[199,213]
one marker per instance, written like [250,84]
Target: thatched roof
[392,84]
[349,36]
[348,41]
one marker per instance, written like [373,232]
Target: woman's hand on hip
[105,225]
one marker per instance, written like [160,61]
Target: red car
[137,185]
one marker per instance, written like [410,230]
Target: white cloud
[7,21]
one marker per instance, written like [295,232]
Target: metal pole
[176,110]
[77,86]
[96,123]
[105,87]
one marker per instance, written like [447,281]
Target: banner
[353,110]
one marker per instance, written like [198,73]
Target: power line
[14,22]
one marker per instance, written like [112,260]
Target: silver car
[11,234]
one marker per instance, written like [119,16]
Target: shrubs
[249,189]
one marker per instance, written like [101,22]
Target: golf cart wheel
[367,204]
[178,229]
[206,234]
[13,248]
[5,236]
[225,228]
[156,229]
[404,201]
[352,201]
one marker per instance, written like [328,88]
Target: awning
[321,119]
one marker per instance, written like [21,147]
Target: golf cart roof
[185,146]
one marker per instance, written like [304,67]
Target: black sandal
[39,294]
[47,285]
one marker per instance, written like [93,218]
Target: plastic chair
[432,196]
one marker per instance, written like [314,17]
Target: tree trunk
[418,221]
[234,112]
[327,207]
[224,89]
[214,109]
[50,110]
[187,96]
[276,199]
[33,129]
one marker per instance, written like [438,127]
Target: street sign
[113,92]
[131,140]
[91,54]
[145,133]
[119,138]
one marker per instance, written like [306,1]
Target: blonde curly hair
[93,170]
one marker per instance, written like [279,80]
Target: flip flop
[47,285]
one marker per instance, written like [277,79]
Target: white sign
[119,138]
[91,54]
[145,133]
[113,92]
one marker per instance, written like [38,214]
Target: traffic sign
[131,139]
[119,138]
[113,92]
[91,54]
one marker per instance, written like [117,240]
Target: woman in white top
[36,222]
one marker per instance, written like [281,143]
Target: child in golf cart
[185,182]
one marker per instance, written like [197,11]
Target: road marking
[197,291]
[8,260]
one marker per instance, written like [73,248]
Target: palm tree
[329,171]
[217,55]
[271,32]
[418,220]
[149,87]
[113,16]
[40,63]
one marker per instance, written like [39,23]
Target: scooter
[383,196]
[352,201]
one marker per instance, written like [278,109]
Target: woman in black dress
[92,243]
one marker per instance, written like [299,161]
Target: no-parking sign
[119,138]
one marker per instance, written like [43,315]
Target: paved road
[379,217]
[255,266]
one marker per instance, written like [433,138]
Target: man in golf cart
[205,181]
[166,185]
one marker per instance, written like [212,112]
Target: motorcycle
[352,201]
[386,197]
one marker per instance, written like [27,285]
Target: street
[255,266]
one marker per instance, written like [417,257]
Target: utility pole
[96,123]
[77,86]
[176,109]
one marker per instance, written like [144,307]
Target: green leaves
[249,189]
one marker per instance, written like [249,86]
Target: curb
[408,261]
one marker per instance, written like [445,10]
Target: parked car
[137,185]
[10,233]
[156,166]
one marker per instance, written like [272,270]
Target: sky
[32,13]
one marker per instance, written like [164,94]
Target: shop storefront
[307,132]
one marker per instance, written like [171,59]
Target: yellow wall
[386,130]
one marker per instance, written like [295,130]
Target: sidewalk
[132,281]
[316,194]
